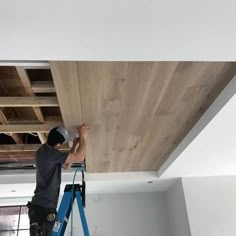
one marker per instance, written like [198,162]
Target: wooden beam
[43,87]
[14,148]
[42,137]
[48,119]
[39,114]
[3,118]
[16,137]
[28,128]
[28,102]
[28,156]
[24,80]
[27,85]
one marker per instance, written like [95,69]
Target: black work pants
[41,224]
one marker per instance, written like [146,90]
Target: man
[49,160]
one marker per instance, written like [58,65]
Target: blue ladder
[70,193]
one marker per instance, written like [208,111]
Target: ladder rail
[63,215]
[82,214]
[71,192]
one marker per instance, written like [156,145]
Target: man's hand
[66,166]
[83,131]
[79,154]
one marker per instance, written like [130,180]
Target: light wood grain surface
[138,112]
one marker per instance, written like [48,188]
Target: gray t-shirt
[48,176]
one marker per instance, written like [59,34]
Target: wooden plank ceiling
[138,112]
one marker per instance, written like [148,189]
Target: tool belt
[48,213]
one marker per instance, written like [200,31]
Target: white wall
[176,210]
[211,205]
[209,148]
[127,214]
[139,214]
[118,30]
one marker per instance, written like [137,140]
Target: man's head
[57,136]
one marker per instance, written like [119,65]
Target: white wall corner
[211,206]
[177,210]
[171,168]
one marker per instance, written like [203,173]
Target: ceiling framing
[24,123]
[138,112]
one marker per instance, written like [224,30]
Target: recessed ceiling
[138,112]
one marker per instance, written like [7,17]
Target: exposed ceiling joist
[28,128]
[48,119]
[28,88]
[24,80]
[28,101]
[42,137]
[27,85]
[11,148]
[20,110]
[43,87]
[4,114]
[39,114]
[16,137]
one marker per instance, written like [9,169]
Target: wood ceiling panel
[189,109]
[67,87]
[138,112]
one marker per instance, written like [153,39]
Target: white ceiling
[118,30]
[132,30]
[210,147]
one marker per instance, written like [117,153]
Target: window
[14,221]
